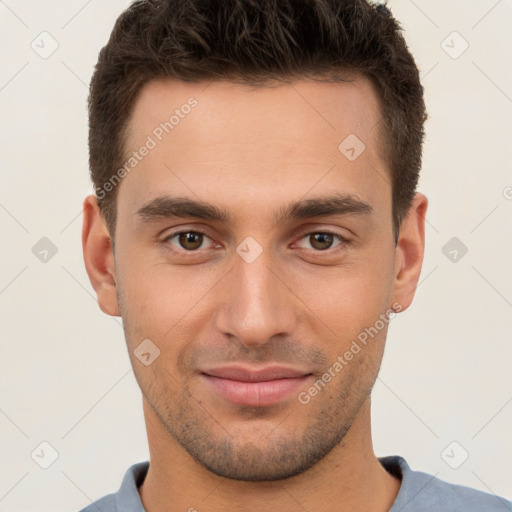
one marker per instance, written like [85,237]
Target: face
[253,303]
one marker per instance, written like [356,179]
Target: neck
[349,478]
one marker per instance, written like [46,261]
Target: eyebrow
[166,207]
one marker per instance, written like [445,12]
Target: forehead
[328,108]
[222,136]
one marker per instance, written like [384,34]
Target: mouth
[255,387]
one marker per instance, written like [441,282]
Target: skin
[252,151]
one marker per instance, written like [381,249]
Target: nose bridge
[258,305]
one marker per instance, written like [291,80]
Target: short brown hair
[255,42]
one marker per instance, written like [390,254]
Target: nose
[260,303]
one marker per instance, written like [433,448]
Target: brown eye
[186,240]
[318,241]
[321,241]
[190,240]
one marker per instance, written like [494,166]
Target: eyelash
[344,242]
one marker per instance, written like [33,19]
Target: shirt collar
[128,498]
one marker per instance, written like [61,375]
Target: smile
[255,388]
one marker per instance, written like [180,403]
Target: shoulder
[105,504]
[127,498]
[421,492]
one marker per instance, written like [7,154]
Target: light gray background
[66,378]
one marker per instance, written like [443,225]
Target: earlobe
[99,257]
[409,252]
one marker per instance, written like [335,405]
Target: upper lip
[245,374]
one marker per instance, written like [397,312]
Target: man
[255,217]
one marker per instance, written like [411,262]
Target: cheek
[149,289]
[348,298]
[164,305]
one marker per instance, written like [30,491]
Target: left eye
[323,240]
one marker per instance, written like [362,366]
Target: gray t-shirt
[419,492]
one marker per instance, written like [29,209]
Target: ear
[99,257]
[409,252]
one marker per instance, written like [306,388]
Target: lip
[255,387]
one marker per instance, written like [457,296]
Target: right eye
[187,239]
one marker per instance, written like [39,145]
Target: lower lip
[255,393]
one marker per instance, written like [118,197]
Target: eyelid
[167,238]
[344,241]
